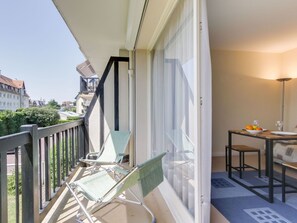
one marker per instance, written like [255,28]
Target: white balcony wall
[142,79]
[94,119]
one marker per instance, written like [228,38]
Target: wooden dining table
[270,137]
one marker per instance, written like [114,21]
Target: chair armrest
[92,154]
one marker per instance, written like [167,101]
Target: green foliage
[53,104]
[63,121]
[11,184]
[41,116]
[3,127]
[73,118]
[10,122]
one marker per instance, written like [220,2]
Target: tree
[53,104]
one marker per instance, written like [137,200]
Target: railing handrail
[50,130]
[9,142]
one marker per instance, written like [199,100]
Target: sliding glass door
[174,102]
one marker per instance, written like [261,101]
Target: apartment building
[13,94]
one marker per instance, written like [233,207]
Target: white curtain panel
[174,112]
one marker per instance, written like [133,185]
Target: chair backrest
[101,186]
[115,144]
[181,142]
[148,174]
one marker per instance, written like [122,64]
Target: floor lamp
[283,81]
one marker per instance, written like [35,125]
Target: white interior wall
[241,93]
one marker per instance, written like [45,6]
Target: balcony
[46,158]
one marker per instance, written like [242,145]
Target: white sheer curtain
[174,112]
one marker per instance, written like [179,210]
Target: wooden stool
[285,165]
[242,149]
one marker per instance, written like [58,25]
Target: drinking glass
[256,123]
[279,125]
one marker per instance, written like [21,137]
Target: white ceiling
[103,27]
[253,25]
[99,27]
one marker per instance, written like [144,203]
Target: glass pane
[173,102]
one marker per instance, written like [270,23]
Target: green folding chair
[104,188]
[112,151]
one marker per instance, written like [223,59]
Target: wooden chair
[242,149]
[285,165]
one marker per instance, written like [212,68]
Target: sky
[37,47]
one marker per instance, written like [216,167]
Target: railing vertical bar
[17,182]
[40,175]
[72,148]
[47,169]
[67,152]
[76,144]
[63,155]
[58,145]
[54,162]
[3,187]
[81,141]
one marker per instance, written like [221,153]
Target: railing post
[30,194]
[3,187]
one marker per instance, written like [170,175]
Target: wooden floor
[66,209]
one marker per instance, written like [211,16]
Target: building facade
[13,94]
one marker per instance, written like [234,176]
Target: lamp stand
[283,80]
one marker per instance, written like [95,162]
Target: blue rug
[240,205]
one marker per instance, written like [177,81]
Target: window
[174,110]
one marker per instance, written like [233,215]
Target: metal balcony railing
[44,158]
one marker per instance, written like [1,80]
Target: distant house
[67,105]
[36,103]
[83,101]
[65,114]
[88,83]
[13,94]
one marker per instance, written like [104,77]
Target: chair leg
[259,163]
[226,158]
[241,155]
[283,184]
[88,216]
[141,203]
